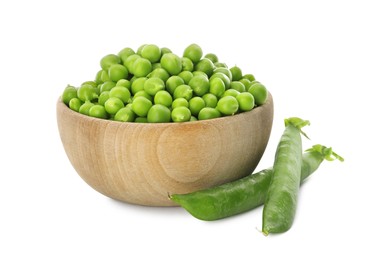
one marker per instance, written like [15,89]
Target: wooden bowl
[141,163]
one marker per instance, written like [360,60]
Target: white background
[316,58]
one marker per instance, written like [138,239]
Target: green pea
[223,77]
[113,104]
[228,105]
[138,85]
[109,60]
[139,49]
[97,88]
[165,50]
[217,87]
[141,67]
[107,86]
[84,109]
[187,64]
[193,52]
[75,104]
[122,93]
[196,104]
[124,83]
[193,118]
[200,85]
[186,76]
[142,93]
[69,93]
[90,82]
[156,65]
[220,65]
[246,83]
[210,100]
[231,92]
[179,102]
[236,73]
[259,92]
[125,53]
[125,114]
[208,113]
[225,71]
[181,114]
[173,82]
[249,77]
[117,72]
[97,111]
[151,52]
[141,106]
[206,66]
[87,93]
[163,97]
[103,97]
[159,114]
[153,85]
[130,61]
[133,78]
[105,76]
[98,79]
[141,119]
[183,91]
[250,84]
[171,63]
[246,101]
[199,73]
[213,57]
[160,73]
[240,87]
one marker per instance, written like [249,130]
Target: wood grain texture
[141,163]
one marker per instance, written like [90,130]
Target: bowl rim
[256,109]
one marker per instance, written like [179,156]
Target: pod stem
[326,152]
[297,123]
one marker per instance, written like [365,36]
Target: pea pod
[247,193]
[281,200]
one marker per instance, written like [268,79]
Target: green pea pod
[281,200]
[314,156]
[247,193]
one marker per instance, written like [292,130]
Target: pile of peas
[155,85]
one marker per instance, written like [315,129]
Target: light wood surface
[141,163]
